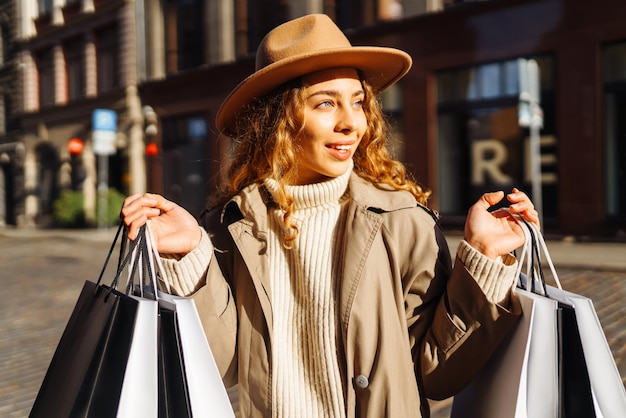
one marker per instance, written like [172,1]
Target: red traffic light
[152,149]
[75,146]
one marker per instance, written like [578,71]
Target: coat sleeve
[454,325]
[218,314]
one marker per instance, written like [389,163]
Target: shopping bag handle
[534,246]
[153,253]
[142,256]
[536,261]
[539,241]
[123,259]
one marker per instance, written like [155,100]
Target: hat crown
[298,37]
[305,45]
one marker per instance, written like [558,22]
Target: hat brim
[381,67]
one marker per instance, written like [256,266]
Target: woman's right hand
[175,230]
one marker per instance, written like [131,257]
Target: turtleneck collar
[316,194]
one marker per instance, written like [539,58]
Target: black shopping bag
[75,383]
[574,385]
[173,390]
[105,364]
[590,382]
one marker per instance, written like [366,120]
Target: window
[107,55]
[185,37]
[44,7]
[263,16]
[4,116]
[9,120]
[3,45]
[45,69]
[448,3]
[614,74]
[74,66]
[481,146]
[6,45]
[185,160]
[392,102]
[355,13]
[254,19]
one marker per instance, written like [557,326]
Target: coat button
[361,381]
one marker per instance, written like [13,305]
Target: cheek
[362,126]
[315,130]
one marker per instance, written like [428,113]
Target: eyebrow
[333,93]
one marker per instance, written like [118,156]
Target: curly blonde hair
[265,148]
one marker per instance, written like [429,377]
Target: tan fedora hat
[305,45]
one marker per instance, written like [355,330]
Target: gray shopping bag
[520,380]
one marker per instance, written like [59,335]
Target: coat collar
[379,198]
[252,202]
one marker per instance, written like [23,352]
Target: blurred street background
[42,273]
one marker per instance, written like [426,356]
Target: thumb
[487,200]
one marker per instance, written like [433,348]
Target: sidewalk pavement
[566,252]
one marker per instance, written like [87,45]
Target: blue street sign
[104,133]
[104,120]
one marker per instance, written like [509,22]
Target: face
[334,124]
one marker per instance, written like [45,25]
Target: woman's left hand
[497,233]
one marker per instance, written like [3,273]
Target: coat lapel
[361,229]
[250,237]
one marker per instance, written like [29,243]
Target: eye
[358,103]
[325,104]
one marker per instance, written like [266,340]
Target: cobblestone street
[41,275]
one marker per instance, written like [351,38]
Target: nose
[347,120]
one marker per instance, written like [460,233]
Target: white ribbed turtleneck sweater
[305,371]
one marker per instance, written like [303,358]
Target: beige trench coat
[411,327]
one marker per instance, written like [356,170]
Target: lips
[340,151]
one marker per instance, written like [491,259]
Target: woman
[324,284]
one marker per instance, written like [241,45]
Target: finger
[162,203]
[487,200]
[522,204]
[527,211]
[517,196]
[136,210]
[127,203]
[138,219]
[136,202]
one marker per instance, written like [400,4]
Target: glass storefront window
[481,146]
[185,160]
[614,74]
[392,102]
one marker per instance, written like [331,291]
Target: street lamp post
[104,137]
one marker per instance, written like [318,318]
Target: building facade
[11,150]
[78,56]
[164,67]
[456,114]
